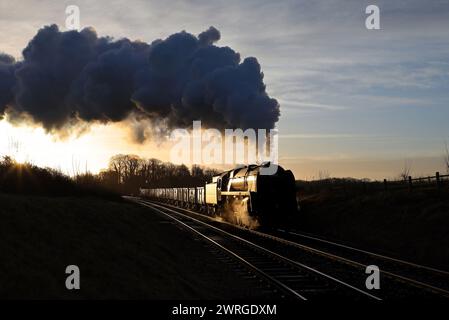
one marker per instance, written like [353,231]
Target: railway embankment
[122,250]
[412,225]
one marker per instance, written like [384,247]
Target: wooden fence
[352,186]
[436,181]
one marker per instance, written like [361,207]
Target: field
[122,250]
[413,225]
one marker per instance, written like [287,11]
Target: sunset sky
[354,102]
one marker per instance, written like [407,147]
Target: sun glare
[75,154]
[20,158]
[34,145]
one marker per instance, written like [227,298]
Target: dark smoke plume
[68,77]
[7,80]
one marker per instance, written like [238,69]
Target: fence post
[385,184]
[410,182]
[438,180]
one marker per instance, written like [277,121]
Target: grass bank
[122,250]
[413,225]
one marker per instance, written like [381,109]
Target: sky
[354,102]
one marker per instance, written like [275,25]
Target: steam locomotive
[242,195]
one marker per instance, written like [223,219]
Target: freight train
[242,196]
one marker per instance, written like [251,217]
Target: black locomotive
[243,195]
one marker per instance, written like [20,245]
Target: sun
[21,157]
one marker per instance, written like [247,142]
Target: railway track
[430,278]
[290,278]
[400,278]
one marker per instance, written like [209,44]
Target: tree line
[127,173]
[29,179]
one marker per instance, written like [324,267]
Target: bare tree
[406,171]
[117,164]
[209,173]
[197,171]
[446,158]
[75,167]
[324,175]
[132,163]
